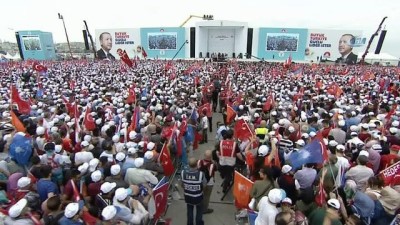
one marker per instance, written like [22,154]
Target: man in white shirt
[139,176]
[267,209]
[204,126]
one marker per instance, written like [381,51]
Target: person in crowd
[208,167]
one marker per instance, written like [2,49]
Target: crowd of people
[162,41]
[282,43]
[83,141]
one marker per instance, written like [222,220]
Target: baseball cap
[132,151]
[340,147]
[334,203]
[109,212]
[287,200]
[149,155]
[150,145]
[364,153]
[96,176]
[83,168]
[106,187]
[120,156]
[23,182]
[122,193]
[93,163]
[263,150]
[115,169]
[72,209]
[85,143]
[300,142]
[139,162]
[275,195]
[17,208]
[286,169]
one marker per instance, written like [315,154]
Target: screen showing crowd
[282,42]
[162,41]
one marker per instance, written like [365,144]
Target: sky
[42,15]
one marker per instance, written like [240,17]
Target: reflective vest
[193,186]
[261,133]
[227,153]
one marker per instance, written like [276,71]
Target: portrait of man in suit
[346,43]
[106,45]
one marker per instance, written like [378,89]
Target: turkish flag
[268,104]
[24,107]
[89,121]
[242,130]
[160,199]
[38,67]
[165,160]
[241,190]
[230,114]
[324,149]
[207,108]
[132,96]
[124,57]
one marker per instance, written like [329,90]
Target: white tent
[384,59]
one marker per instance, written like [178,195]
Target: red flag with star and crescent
[24,106]
[132,96]
[166,162]
[160,199]
[38,67]
[89,121]
[242,130]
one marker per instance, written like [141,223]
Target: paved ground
[224,211]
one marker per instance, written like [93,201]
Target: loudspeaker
[201,55]
[233,55]
[380,42]
[249,42]
[85,39]
[193,42]
[208,55]
[19,45]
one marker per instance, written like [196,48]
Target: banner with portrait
[108,41]
[334,45]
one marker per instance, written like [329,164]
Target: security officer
[227,153]
[261,133]
[193,183]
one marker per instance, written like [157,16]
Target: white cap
[364,153]
[115,169]
[115,138]
[353,134]
[84,143]
[93,163]
[109,212]
[87,138]
[23,182]
[286,169]
[353,128]
[71,210]
[395,123]
[300,142]
[312,134]
[121,194]
[150,145]
[334,203]
[393,130]
[17,208]
[365,125]
[275,195]
[340,147]
[341,123]
[40,130]
[132,135]
[291,129]
[287,200]
[263,150]
[333,143]
[83,168]
[139,162]
[149,155]
[132,151]
[58,148]
[96,176]
[120,156]
[106,187]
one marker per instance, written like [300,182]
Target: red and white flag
[88,120]
[166,162]
[24,106]
[160,199]
[242,130]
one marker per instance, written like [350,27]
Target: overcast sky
[362,15]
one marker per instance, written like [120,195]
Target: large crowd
[82,142]
[282,43]
[162,41]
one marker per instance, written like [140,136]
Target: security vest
[227,153]
[261,133]
[193,186]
